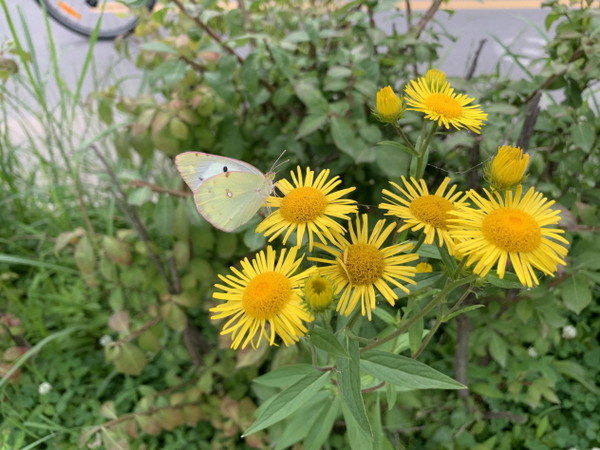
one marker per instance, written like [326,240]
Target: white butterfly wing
[231,199]
[197,167]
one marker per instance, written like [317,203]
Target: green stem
[423,150]
[426,310]
[419,243]
[409,144]
[356,337]
[438,322]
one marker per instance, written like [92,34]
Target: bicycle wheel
[82,16]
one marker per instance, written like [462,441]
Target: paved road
[512,27]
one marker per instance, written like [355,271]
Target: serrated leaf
[284,375]
[576,294]
[84,255]
[289,400]
[348,375]
[130,359]
[119,321]
[116,250]
[406,373]
[326,340]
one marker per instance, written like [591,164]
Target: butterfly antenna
[277,164]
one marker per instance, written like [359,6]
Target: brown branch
[408,14]
[373,388]
[134,219]
[435,5]
[552,78]
[139,331]
[533,111]
[214,36]
[476,56]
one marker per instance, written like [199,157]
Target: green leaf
[323,425]
[129,359]
[288,401]
[583,135]
[357,437]
[344,137]
[349,386]
[326,340]
[312,98]
[405,372]
[310,124]
[498,349]
[339,72]
[415,335]
[300,425]
[285,375]
[139,196]
[576,294]
[573,370]
[84,255]
[156,46]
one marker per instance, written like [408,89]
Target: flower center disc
[444,105]
[431,209]
[266,295]
[364,264]
[512,230]
[303,204]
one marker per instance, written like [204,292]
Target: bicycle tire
[73,19]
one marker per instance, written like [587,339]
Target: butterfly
[227,192]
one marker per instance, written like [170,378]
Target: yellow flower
[318,292]
[424,211]
[424,267]
[507,168]
[362,264]
[510,227]
[389,107]
[309,206]
[263,299]
[433,96]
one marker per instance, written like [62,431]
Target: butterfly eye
[224,168]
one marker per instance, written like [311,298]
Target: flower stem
[409,144]
[442,295]
[423,150]
[439,321]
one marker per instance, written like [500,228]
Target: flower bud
[507,168]
[318,293]
[389,107]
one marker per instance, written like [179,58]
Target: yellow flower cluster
[272,297]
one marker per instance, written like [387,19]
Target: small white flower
[105,340]
[44,388]
[569,332]
[532,352]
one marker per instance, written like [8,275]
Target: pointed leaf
[349,385]
[326,340]
[406,373]
[289,400]
[576,294]
[322,429]
[284,375]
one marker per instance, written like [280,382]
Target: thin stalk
[404,137]
[442,295]
[423,151]
[438,322]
